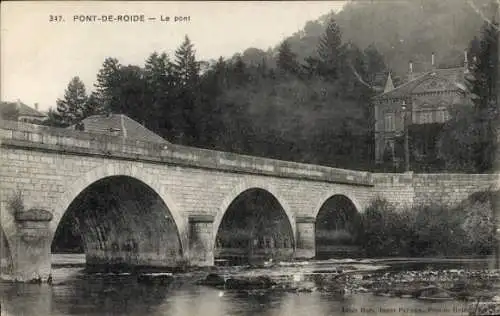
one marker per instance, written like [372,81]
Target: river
[77,292]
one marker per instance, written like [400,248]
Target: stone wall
[412,189]
[395,187]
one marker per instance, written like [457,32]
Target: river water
[76,292]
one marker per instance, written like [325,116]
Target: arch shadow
[337,228]
[325,197]
[6,260]
[116,170]
[247,186]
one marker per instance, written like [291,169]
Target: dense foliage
[430,230]
[469,140]
[316,111]
[308,99]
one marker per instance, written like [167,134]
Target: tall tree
[107,84]
[72,107]
[287,60]
[239,73]
[186,126]
[483,84]
[375,64]
[93,106]
[159,94]
[186,67]
[330,50]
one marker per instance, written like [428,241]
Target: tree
[54,119]
[375,64]
[159,94]
[72,107]
[107,84]
[129,94]
[93,106]
[483,86]
[330,50]
[286,60]
[186,68]
[186,115]
[238,70]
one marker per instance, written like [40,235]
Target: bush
[479,225]
[438,231]
[430,230]
[385,230]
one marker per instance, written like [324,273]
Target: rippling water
[78,293]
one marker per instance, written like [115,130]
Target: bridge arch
[326,196]
[244,186]
[74,189]
[338,224]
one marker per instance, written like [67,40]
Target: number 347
[55,18]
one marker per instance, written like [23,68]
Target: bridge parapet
[35,137]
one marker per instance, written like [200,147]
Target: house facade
[21,112]
[424,98]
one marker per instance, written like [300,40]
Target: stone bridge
[160,204]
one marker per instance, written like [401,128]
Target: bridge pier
[306,243]
[201,249]
[31,249]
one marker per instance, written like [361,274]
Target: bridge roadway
[46,171]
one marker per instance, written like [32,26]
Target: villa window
[425,117]
[389,124]
[441,116]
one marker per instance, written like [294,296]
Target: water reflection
[123,295]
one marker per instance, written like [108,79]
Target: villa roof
[119,125]
[452,78]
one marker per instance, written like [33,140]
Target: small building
[423,98]
[18,111]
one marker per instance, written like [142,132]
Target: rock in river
[433,293]
[213,279]
[155,278]
[260,282]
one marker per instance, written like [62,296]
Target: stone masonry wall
[51,180]
[413,189]
[396,188]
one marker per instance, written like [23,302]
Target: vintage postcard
[250,157]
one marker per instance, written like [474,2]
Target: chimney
[36,106]
[433,60]
[410,71]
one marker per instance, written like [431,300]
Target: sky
[44,44]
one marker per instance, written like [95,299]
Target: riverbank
[327,287]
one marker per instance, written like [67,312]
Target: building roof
[119,125]
[389,86]
[23,109]
[438,80]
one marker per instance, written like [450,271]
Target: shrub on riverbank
[429,230]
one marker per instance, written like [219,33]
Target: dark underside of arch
[337,228]
[5,255]
[119,222]
[254,228]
